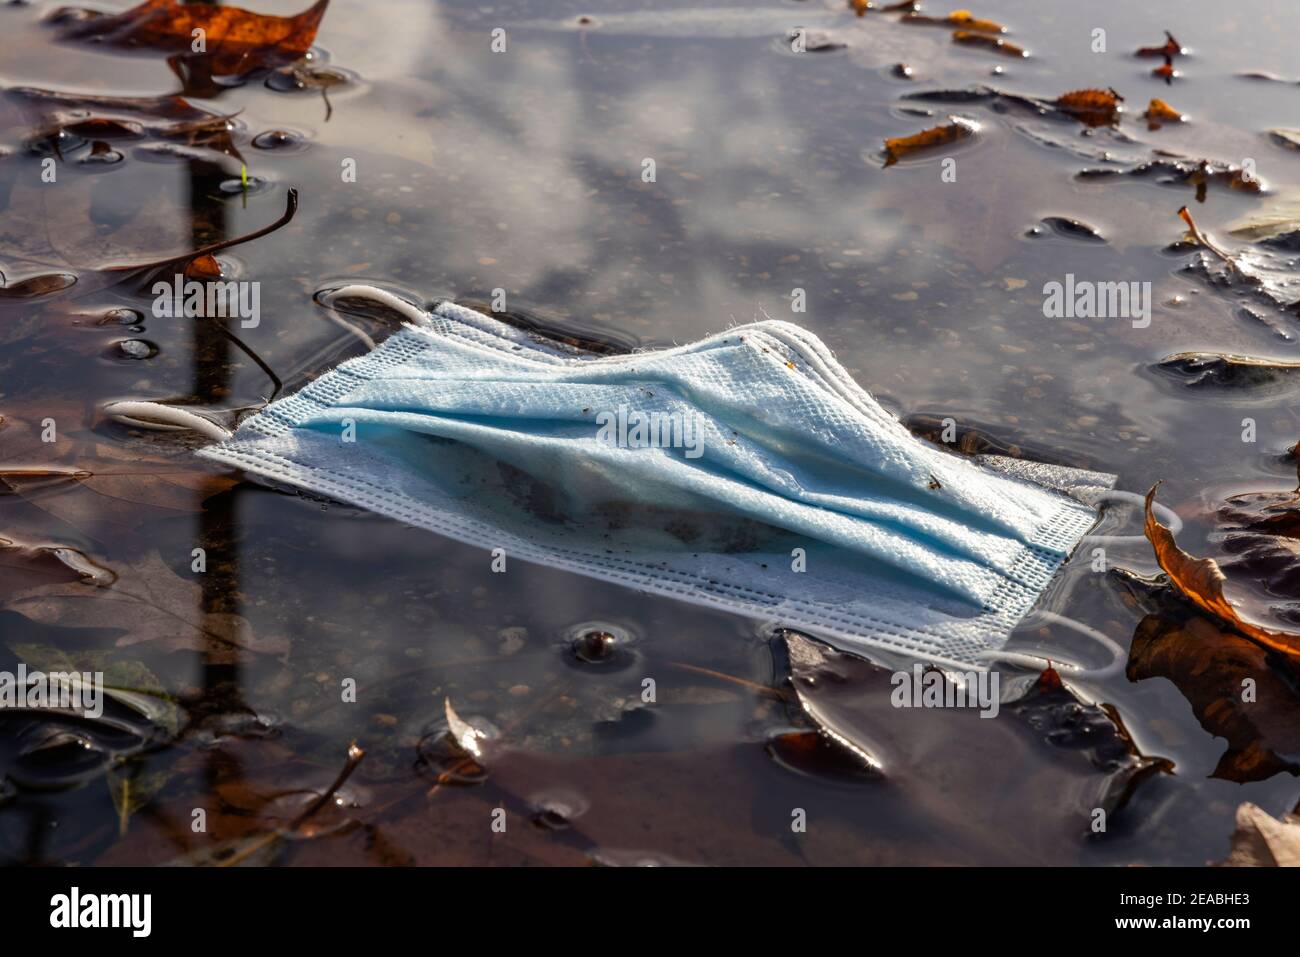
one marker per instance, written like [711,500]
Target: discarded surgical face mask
[746,472]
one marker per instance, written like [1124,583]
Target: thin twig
[355,754]
[291,207]
[722,676]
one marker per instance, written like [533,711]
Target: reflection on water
[523,171]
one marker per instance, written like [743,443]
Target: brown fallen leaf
[1262,840]
[997,44]
[955,130]
[108,491]
[950,764]
[161,124]
[1209,664]
[1091,107]
[1159,112]
[237,41]
[1170,48]
[1201,581]
[1168,168]
[963,19]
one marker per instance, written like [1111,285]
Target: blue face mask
[746,472]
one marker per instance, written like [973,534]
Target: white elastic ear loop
[1166,515]
[409,311]
[1070,669]
[155,415]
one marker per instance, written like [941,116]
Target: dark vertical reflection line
[217,519]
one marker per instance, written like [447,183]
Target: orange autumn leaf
[954,130]
[997,44]
[203,268]
[967,21]
[1092,107]
[235,41]
[1201,581]
[963,19]
[1158,112]
[1170,48]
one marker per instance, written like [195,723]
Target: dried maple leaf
[955,130]
[1159,112]
[1091,107]
[1201,581]
[237,41]
[1262,840]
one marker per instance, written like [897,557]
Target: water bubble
[121,316]
[556,810]
[440,756]
[285,141]
[236,186]
[101,154]
[593,646]
[599,643]
[60,143]
[136,349]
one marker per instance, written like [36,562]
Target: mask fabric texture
[746,472]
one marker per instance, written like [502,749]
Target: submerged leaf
[1265,271]
[26,566]
[1276,224]
[148,603]
[925,750]
[1209,664]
